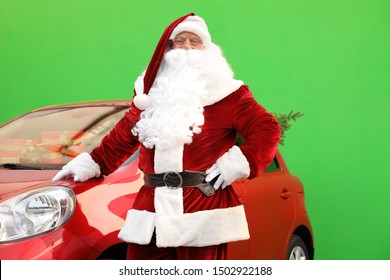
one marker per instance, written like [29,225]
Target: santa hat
[196,25]
[144,83]
[189,23]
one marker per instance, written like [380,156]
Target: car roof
[117,103]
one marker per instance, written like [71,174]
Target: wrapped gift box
[13,149]
[61,146]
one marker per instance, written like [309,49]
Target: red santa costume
[185,116]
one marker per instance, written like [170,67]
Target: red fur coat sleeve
[259,129]
[118,145]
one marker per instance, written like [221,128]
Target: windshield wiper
[18,166]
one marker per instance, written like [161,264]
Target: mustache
[177,58]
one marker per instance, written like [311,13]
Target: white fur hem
[203,228]
[139,227]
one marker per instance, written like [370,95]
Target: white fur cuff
[233,165]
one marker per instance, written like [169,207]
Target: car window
[274,166]
[51,138]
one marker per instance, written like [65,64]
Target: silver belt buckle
[173,187]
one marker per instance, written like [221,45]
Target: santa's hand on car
[81,168]
[230,167]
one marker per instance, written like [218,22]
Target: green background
[326,58]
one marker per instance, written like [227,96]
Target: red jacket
[220,218]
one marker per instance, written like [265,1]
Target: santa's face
[187,41]
[186,81]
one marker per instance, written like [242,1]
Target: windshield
[51,138]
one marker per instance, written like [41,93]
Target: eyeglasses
[180,42]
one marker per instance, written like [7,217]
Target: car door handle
[285,194]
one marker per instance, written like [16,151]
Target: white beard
[175,112]
[180,91]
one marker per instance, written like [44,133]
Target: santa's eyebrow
[191,37]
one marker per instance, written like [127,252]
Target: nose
[187,45]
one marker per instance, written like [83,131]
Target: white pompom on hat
[142,101]
[193,24]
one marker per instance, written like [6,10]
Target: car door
[270,210]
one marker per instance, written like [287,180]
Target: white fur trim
[169,159]
[140,100]
[233,165]
[196,25]
[173,228]
[168,201]
[221,91]
[217,91]
[139,227]
[139,83]
[203,228]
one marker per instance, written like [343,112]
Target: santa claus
[187,111]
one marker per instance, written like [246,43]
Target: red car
[40,219]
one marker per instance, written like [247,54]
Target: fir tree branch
[284,121]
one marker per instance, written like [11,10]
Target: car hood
[18,180]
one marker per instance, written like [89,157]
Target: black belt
[186,179]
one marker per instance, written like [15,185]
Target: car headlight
[35,212]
